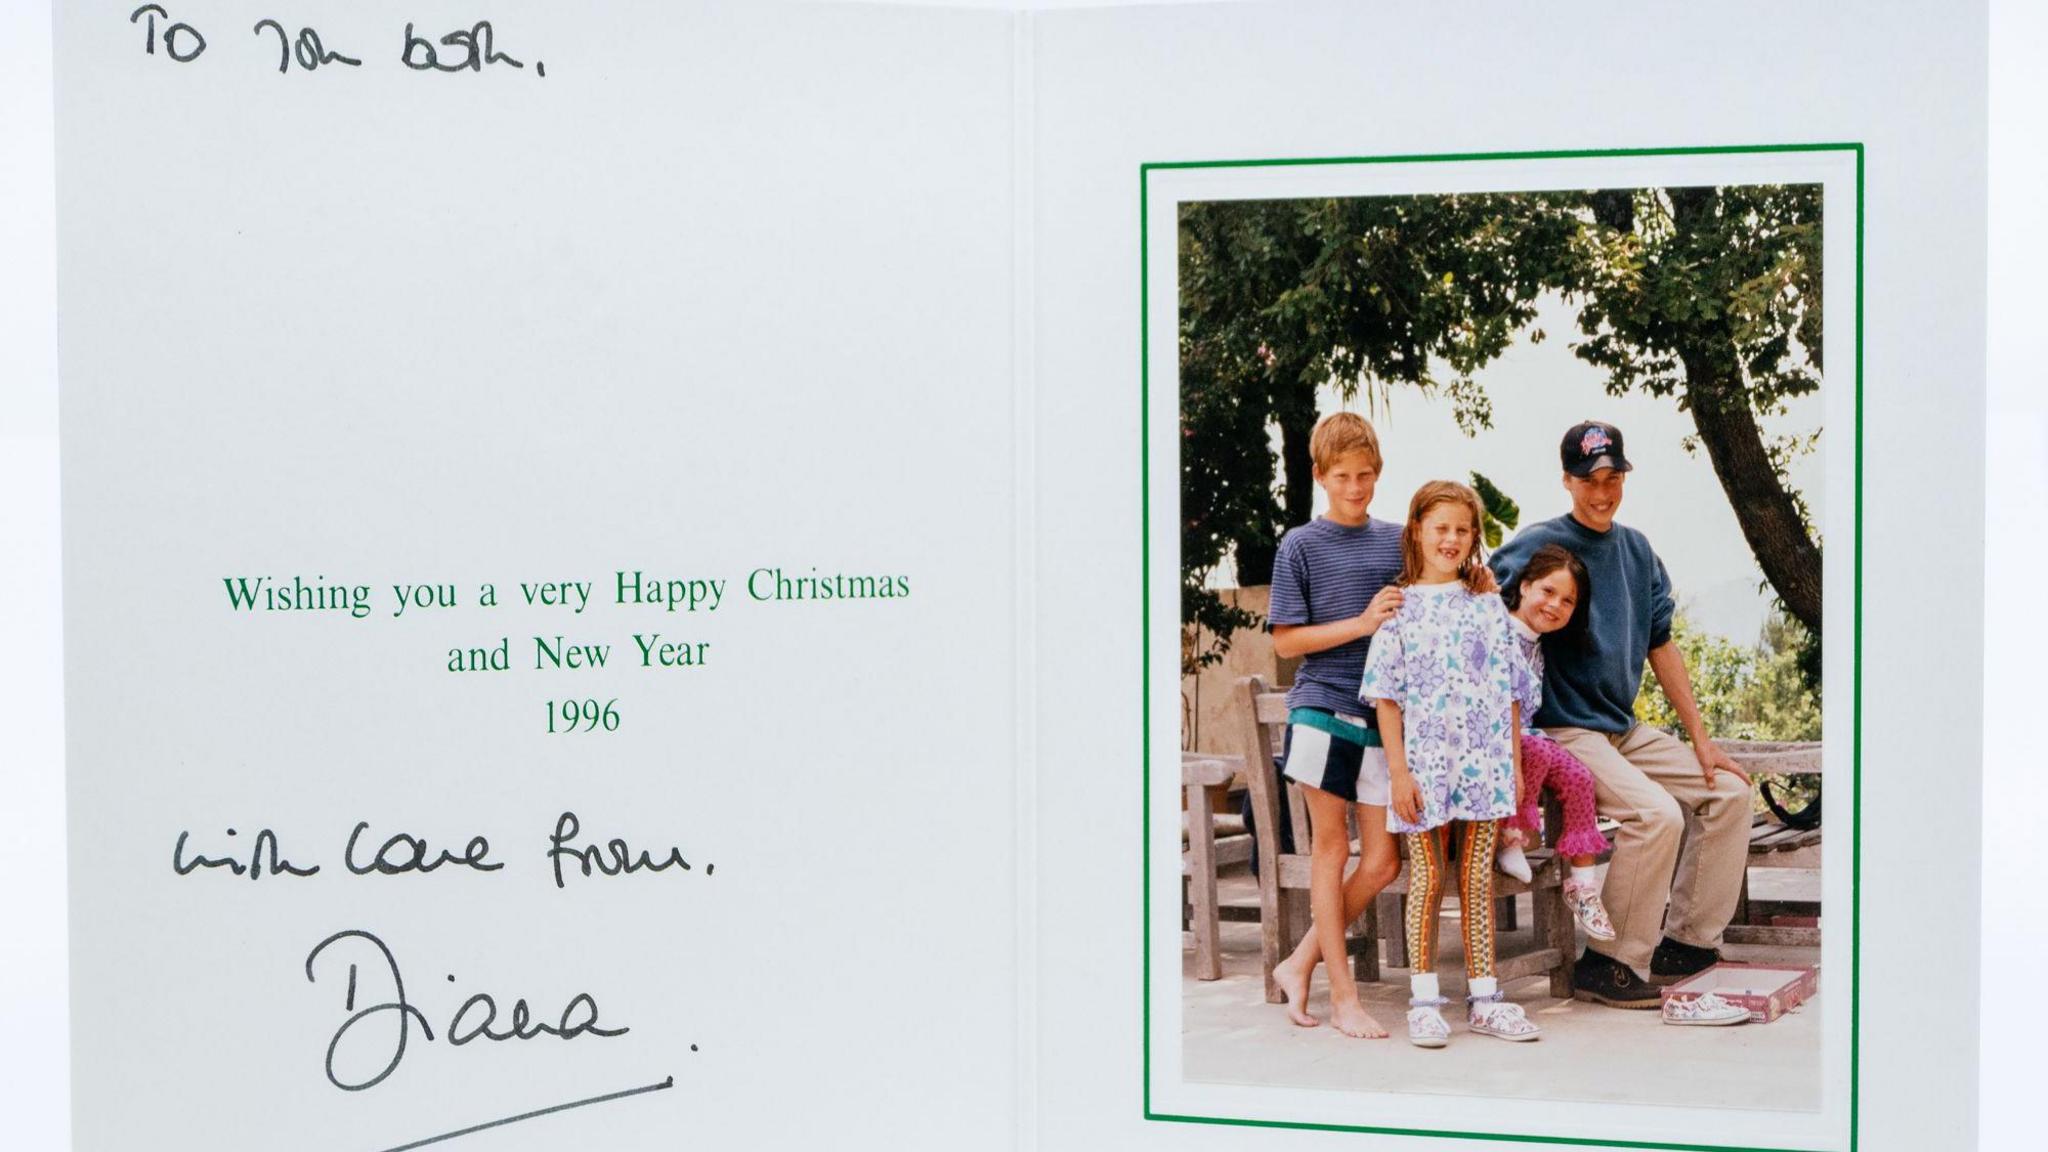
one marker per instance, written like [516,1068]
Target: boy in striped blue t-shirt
[1333,586]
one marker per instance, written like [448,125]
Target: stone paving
[1587,1052]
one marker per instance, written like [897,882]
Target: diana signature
[382,1030]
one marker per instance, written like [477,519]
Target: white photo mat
[1170,1094]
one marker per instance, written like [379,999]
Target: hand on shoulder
[1385,605]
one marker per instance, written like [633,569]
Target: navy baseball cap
[1591,446]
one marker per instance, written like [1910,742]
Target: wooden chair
[1204,853]
[1284,877]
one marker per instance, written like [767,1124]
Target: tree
[1712,296]
[1281,297]
[1709,296]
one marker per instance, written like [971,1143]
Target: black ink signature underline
[668,1083]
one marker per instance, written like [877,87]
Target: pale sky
[1539,390]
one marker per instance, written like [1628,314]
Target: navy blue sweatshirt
[1595,686]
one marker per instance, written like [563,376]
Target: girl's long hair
[1427,497]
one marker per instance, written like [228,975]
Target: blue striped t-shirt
[1327,571]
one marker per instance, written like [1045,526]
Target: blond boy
[1332,589]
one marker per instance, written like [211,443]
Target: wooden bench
[1768,838]
[1284,877]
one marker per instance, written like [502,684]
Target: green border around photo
[1145,539]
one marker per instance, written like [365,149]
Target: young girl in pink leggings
[1550,597]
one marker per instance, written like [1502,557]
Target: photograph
[1501,518]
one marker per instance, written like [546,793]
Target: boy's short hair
[1342,432]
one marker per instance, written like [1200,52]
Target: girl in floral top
[1451,686]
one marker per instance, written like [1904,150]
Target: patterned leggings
[1471,844]
[1545,764]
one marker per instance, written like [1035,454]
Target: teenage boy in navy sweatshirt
[1644,777]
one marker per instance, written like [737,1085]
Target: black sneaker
[1674,961]
[1605,980]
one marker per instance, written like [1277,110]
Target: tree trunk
[1615,208]
[1255,561]
[1765,510]
[1297,467]
[1719,400]
[1255,554]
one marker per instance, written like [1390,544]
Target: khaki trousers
[1679,841]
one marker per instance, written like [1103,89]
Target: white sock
[1483,986]
[1422,986]
[1587,876]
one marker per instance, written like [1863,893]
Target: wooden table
[1767,837]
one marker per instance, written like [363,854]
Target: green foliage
[1207,623]
[1680,286]
[1502,515]
[1665,274]
[1710,297]
[1226,497]
[1281,297]
[1754,693]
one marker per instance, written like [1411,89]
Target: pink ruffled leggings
[1546,764]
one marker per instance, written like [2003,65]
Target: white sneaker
[1705,1009]
[1426,1025]
[1495,1016]
[1513,861]
[1584,901]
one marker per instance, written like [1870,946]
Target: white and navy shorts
[1338,754]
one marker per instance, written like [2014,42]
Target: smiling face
[1349,482]
[1548,602]
[1596,498]
[1445,535]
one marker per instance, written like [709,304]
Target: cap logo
[1594,440]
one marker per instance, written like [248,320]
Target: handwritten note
[470,49]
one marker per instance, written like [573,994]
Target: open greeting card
[772,576]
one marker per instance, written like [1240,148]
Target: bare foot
[1354,1020]
[1292,976]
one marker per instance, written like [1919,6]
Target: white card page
[722,297]
[1345,109]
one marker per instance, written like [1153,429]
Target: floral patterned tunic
[1532,650]
[1450,659]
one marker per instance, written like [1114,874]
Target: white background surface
[32,1011]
